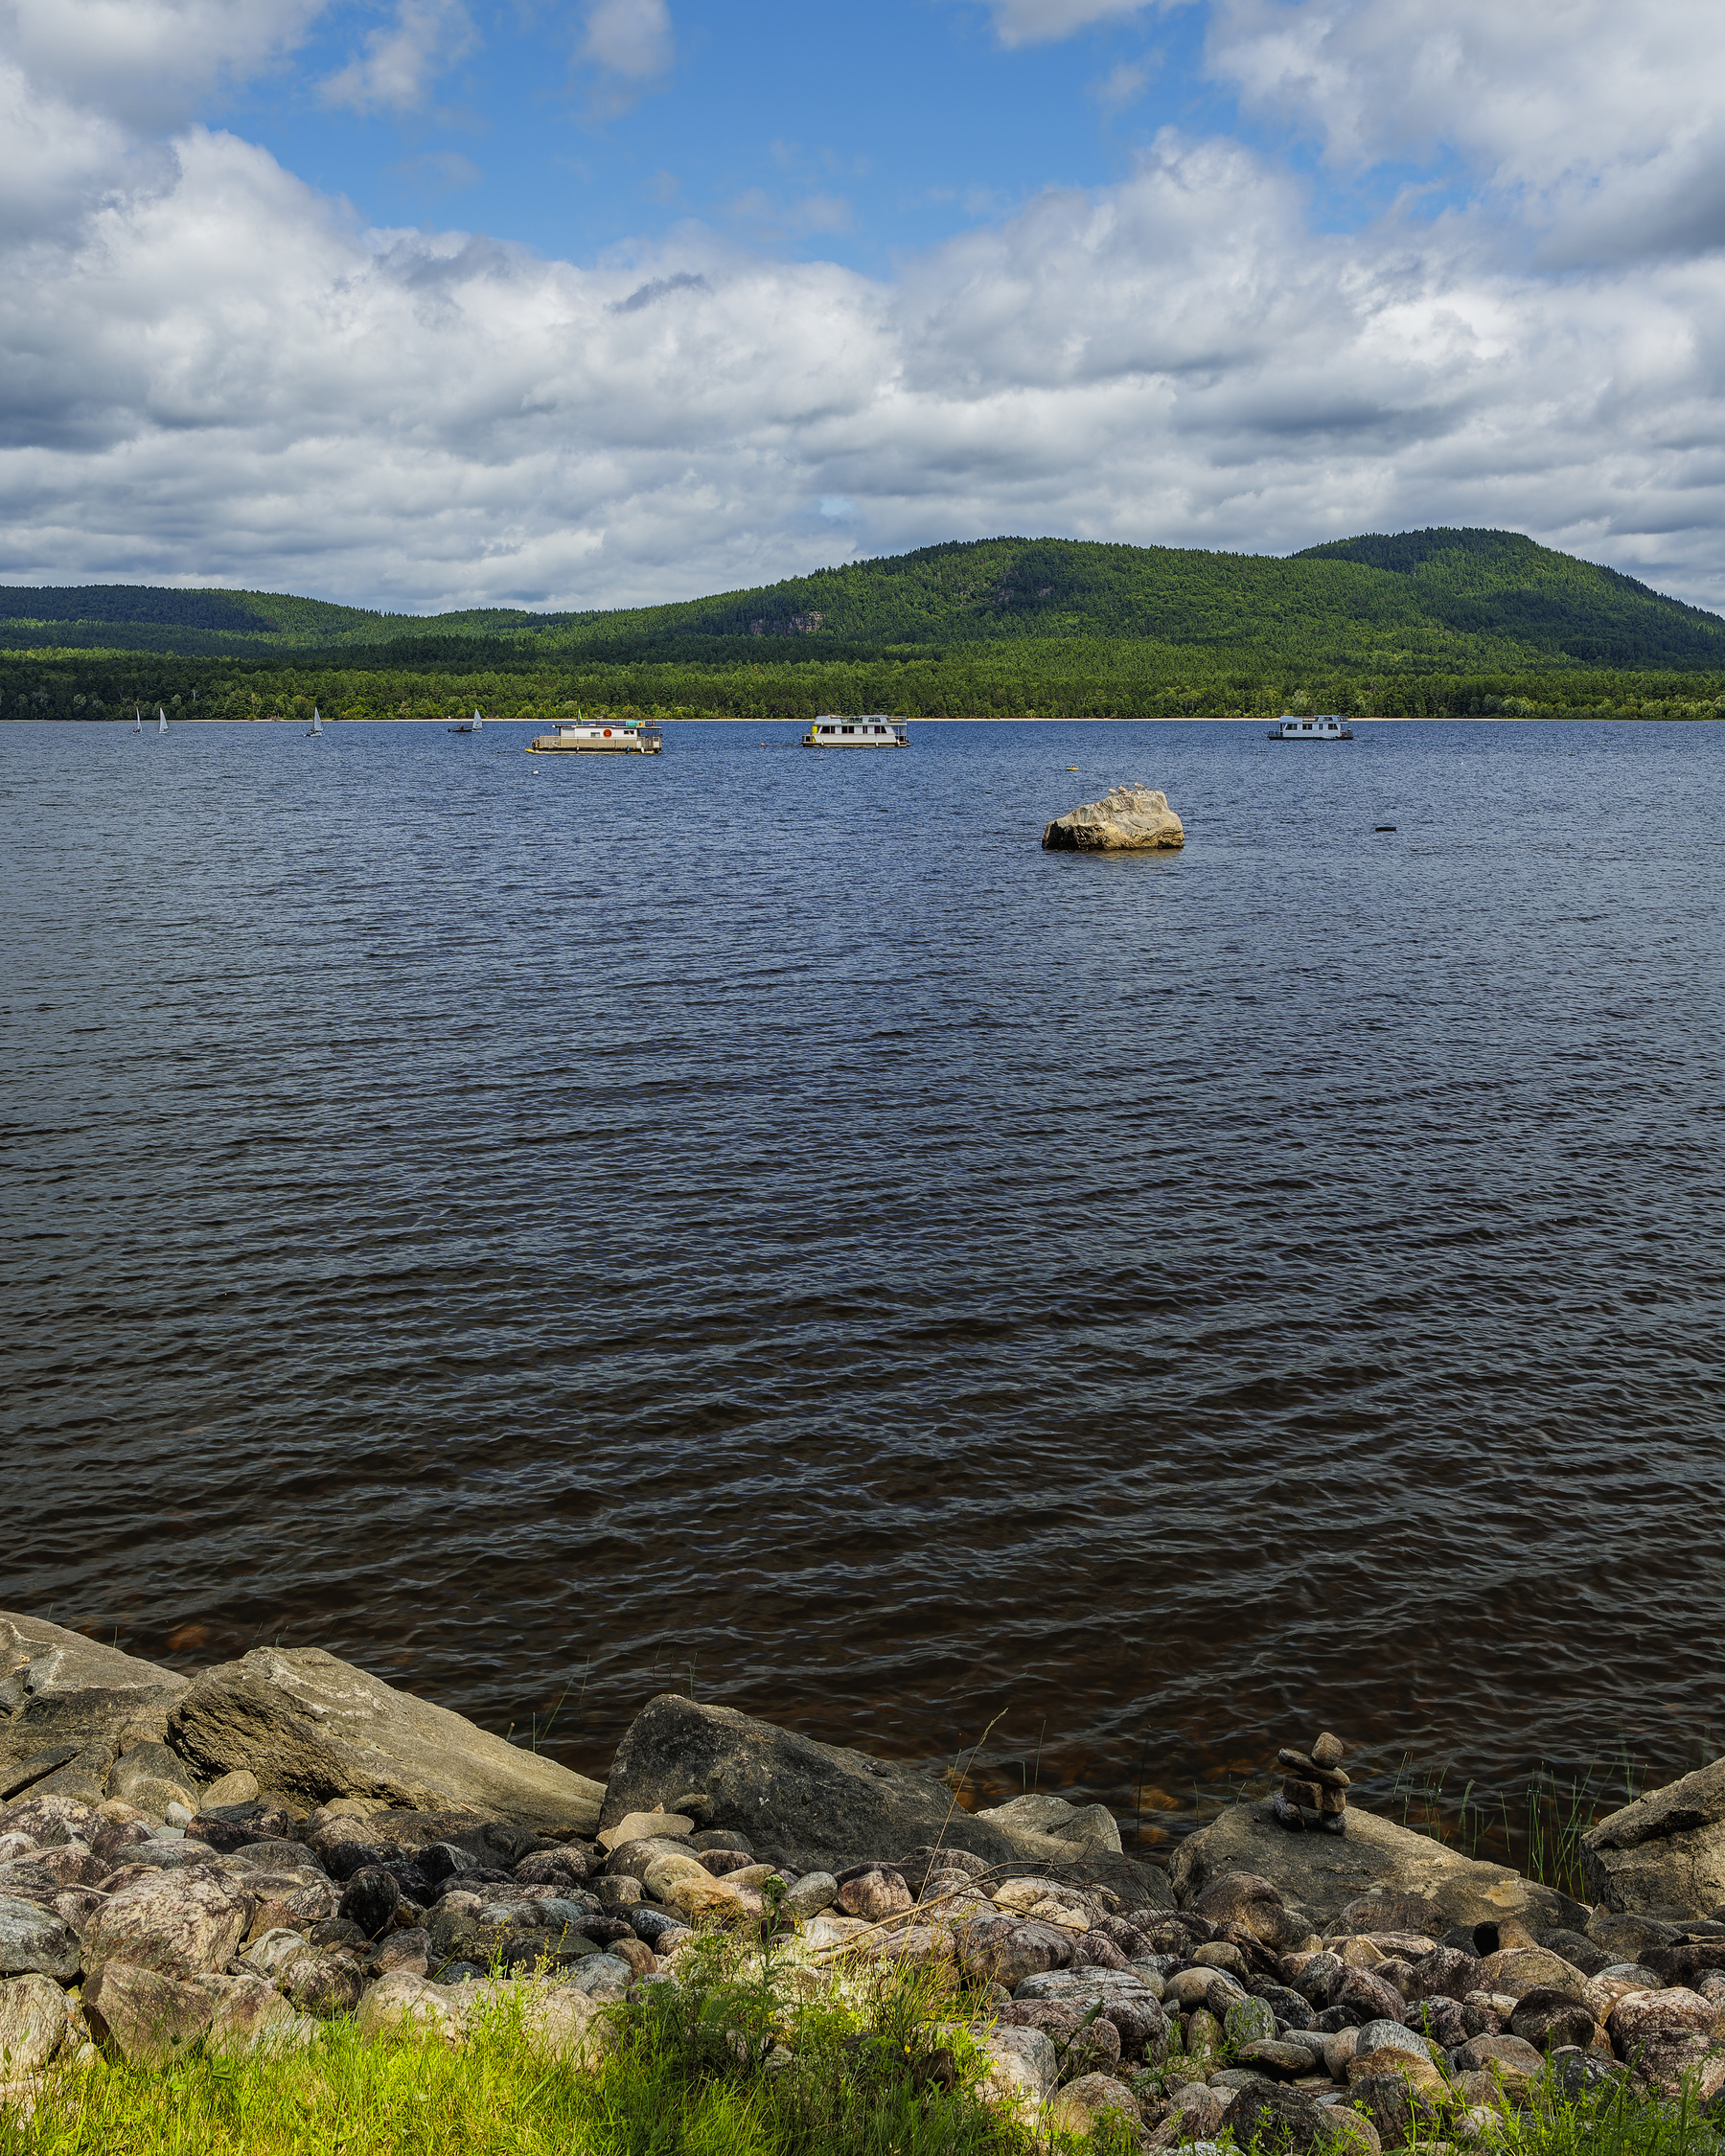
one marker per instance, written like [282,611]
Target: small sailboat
[137,719]
[476,725]
[161,720]
[314,731]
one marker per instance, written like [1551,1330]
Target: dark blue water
[750,1219]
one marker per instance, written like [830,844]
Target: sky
[423,303]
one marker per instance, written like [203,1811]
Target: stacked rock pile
[1315,1791]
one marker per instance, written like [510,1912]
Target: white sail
[478,722]
[137,719]
[161,720]
[316,721]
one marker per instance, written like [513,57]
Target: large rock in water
[811,1803]
[1667,1850]
[314,1727]
[806,1800]
[1323,1872]
[67,1704]
[1131,819]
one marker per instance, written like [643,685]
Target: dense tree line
[1095,679]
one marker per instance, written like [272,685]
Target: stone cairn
[1315,1793]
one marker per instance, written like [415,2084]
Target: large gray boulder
[1130,819]
[68,1706]
[179,1923]
[35,1941]
[1324,1872]
[804,1800]
[813,1804]
[1667,1850]
[315,1727]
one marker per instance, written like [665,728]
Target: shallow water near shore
[558,1229]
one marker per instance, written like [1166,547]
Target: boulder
[563,2020]
[1139,2020]
[877,1893]
[1666,1851]
[150,1777]
[1019,2066]
[1280,2120]
[402,2004]
[1243,1897]
[139,2014]
[1328,1873]
[323,1985]
[1390,2061]
[1515,1971]
[813,1892]
[1082,2044]
[646,1826]
[1037,1820]
[1130,818]
[68,1706]
[1553,2022]
[1005,1950]
[1402,2116]
[34,1940]
[315,1728]
[300,1897]
[240,1788]
[442,1840]
[1083,2104]
[177,1924]
[1046,1899]
[250,2014]
[804,1800]
[33,2025]
[1510,2061]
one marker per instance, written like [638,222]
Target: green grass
[784,2061]
[743,2057]
[1611,2123]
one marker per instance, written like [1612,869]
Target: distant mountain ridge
[1442,597]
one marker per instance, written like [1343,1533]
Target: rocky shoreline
[237,1859]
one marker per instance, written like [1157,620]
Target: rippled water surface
[748,1219]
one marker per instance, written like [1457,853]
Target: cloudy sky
[431,302]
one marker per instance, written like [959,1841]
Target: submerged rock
[1130,819]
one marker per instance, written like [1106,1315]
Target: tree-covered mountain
[1421,622]
[1443,598]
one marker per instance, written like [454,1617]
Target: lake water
[561,1229]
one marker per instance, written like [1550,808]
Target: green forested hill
[1434,620]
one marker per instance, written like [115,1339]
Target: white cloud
[631,37]
[207,373]
[148,62]
[1603,116]
[403,59]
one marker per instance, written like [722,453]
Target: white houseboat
[626,736]
[873,730]
[1326,726]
